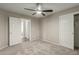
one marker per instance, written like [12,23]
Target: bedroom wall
[50,26]
[4,27]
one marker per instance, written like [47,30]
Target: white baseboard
[3,47]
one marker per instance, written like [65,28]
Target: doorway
[76,31]
[19,30]
[26,29]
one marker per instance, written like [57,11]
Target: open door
[14,31]
[66,31]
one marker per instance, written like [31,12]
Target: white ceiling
[19,7]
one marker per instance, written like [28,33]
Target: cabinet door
[66,30]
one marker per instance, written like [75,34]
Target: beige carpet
[37,48]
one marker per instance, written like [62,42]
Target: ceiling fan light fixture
[39,12]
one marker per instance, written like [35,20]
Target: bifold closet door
[15,34]
[66,30]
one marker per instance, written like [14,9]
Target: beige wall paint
[3,31]
[50,26]
[50,29]
[4,27]
[35,29]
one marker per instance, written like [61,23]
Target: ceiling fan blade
[33,13]
[43,14]
[47,10]
[29,9]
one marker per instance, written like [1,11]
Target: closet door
[66,31]
[15,31]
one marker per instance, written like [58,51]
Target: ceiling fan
[39,10]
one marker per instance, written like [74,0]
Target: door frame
[74,26]
[30,26]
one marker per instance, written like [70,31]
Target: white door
[66,31]
[15,31]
